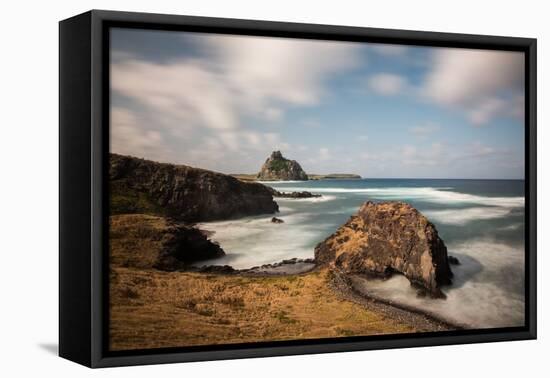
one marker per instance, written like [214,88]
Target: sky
[225,102]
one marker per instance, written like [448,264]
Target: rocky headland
[279,168]
[182,192]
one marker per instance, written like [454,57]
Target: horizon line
[362,176]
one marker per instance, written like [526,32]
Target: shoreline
[347,288]
[344,287]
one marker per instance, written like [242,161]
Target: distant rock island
[277,167]
[335,176]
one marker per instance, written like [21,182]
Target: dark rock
[386,238]
[277,220]
[182,245]
[217,269]
[182,192]
[453,260]
[303,194]
[276,167]
[288,266]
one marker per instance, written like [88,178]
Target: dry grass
[135,240]
[151,309]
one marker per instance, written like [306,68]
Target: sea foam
[487,289]
[462,216]
[426,194]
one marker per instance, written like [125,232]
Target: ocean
[480,221]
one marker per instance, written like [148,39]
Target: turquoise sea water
[481,222]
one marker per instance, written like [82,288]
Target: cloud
[387,84]
[178,94]
[484,84]
[235,151]
[130,137]
[260,69]
[324,153]
[232,82]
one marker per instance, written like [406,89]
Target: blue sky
[225,102]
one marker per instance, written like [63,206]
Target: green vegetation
[278,165]
[125,200]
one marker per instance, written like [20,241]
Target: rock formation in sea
[386,238]
[277,167]
[182,192]
[302,194]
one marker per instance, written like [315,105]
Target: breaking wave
[487,289]
[425,194]
[462,216]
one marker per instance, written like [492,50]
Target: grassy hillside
[151,309]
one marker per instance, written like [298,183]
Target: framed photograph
[234,188]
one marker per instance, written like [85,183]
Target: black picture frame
[83,154]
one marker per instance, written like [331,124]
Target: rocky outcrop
[182,192]
[303,194]
[385,238]
[276,167]
[151,242]
[182,245]
[335,176]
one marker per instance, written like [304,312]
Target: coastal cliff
[277,167]
[182,192]
[386,238]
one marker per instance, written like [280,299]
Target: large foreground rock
[276,167]
[384,238]
[183,192]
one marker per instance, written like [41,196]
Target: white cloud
[180,93]
[484,84]
[234,80]
[130,137]
[324,154]
[387,84]
[260,69]
[235,151]
[273,114]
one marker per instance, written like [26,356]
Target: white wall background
[29,188]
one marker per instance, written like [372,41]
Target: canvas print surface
[271,189]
